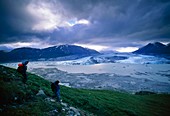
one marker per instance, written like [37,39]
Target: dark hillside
[156,48]
[26,53]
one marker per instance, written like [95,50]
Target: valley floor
[113,76]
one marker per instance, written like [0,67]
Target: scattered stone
[63,109]
[41,92]
[64,104]
[53,112]
[74,111]
[15,98]
[49,100]
[52,100]
[70,113]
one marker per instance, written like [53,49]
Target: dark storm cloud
[15,21]
[112,22]
[117,21]
[13,15]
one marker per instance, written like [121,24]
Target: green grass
[104,102]
[97,102]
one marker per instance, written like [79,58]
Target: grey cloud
[14,16]
[112,22]
[15,21]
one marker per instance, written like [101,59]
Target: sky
[121,25]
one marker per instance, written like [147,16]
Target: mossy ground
[19,99]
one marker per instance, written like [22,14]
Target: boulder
[41,93]
[73,111]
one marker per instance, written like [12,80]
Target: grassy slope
[99,102]
[105,102]
[21,99]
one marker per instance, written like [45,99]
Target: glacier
[123,72]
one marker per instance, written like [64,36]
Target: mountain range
[65,52]
[46,53]
[156,48]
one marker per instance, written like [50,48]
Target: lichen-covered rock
[41,93]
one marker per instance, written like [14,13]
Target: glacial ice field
[131,73]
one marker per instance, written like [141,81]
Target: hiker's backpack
[53,87]
[20,68]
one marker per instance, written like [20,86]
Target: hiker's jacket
[57,87]
[24,66]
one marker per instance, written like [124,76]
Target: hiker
[22,68]
[56,89]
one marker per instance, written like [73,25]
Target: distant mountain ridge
[46,53]
[156,48]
